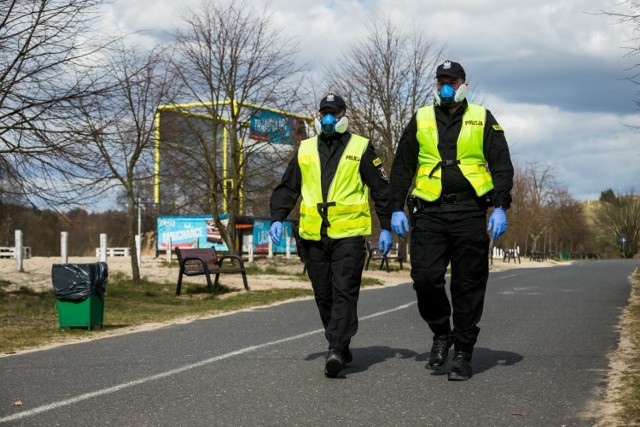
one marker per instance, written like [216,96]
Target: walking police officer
[460,159]
[332,173]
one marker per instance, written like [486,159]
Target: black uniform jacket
[496,153]
[285,196]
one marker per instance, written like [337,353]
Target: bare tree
[46,50]
[386,77]
[231,57]
[121,126]
[618,219]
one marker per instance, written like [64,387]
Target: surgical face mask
[449,96]
[330,125]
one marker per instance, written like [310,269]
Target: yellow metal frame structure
[180,108]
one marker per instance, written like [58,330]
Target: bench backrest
[194,266]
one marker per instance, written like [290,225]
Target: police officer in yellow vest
[461,162]
[332,174]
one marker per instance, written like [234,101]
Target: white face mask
[448,95]
[329,125]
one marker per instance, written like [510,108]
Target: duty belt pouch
[412,206]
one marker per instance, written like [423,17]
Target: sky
[555,73]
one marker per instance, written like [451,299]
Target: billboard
[201,231]
[185,231]
[267,125]
[261,238]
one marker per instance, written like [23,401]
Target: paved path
[541,360]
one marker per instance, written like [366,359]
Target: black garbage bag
[77,282]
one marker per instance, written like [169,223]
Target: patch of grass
[370,281]
[254,270]
[29,319]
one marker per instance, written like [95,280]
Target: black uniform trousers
[335,268]
[459,238]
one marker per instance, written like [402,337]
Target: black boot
[439,351]
[334,363]
[461,366]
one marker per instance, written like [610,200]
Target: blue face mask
[447,94]
[328,124]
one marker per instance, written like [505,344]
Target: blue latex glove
[399,223]
[497,223]
[275,232]
[385,241]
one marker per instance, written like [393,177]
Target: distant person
[460,159]
[332,173]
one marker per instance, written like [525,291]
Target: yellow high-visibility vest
[347,205]
[470,155]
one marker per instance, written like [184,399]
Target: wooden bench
[511,254]
[374,253]
[536,256]
[205,261]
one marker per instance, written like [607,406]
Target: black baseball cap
[333,102]
[451,69]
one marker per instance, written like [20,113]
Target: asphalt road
[541,360]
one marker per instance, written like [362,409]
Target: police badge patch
[383,173]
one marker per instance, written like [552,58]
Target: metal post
[139,219]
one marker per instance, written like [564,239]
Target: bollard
[103,247]
[64,248]
[18,252]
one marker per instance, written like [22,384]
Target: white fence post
[103,247]
[287,244]
[18,251]
[138,251]
[168,249]
[64,253]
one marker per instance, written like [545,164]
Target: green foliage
[617,217]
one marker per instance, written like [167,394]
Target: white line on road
[109,390]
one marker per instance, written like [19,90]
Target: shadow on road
[363,358]
[485,359]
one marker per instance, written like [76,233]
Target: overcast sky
[554,73]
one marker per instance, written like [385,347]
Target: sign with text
[189,231]
[267,125]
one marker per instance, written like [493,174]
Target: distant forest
[41,230]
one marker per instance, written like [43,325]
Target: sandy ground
[36,272]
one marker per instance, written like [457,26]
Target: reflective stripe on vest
[349,214]
[470,155]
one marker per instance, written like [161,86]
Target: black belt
[446,199]
[322,210]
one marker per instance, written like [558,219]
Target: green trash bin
[80,290]
[565,256]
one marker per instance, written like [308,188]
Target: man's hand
[385,241]
[497,223]
[399,223]
[275,232]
